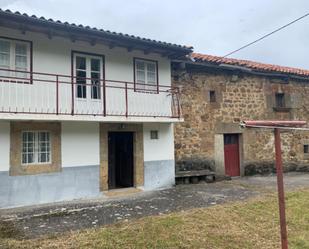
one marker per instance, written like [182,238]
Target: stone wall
[238,97]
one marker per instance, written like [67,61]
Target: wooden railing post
[172,104]
[104,98]
[72,89]
[126,93]
[57,94]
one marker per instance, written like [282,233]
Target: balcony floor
[87,118]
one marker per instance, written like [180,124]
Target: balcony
[35,95]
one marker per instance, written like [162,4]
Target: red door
[231,154]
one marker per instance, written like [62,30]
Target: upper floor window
[212,96]
[280,100]
[14,55]
[306,149]
[146,72]
[89,74]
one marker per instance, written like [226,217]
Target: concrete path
[57,218]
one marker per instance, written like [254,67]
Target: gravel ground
[50,219]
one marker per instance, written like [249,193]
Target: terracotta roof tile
[249,64]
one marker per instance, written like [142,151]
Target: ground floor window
[35,147]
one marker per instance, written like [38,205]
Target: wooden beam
[50,34]
[129,49]
[173,56]
[165,54]
[93,42]
[23,29]
[111,45]
[147,51]
[73,38]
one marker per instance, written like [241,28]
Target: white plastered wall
[54,56]
[4,146]
[162,148]
[80,144]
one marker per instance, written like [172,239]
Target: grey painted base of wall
[159,174]
[71,183]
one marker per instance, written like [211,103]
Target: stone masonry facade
[238,96]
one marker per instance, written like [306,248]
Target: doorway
[88,74]
[231,154]
[120,160]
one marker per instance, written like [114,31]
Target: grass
[249,224]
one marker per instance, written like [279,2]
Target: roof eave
[169,50]
[244,69]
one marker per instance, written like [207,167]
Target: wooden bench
[194,176]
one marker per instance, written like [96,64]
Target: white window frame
[88,70]
[12,64]
[146,86]
[36,152]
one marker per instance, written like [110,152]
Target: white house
[83,111]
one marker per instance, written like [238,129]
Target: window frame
[29,60]
[282,96]
[76,53]
[36,147]
[156,85]
[306,149]
[154,134]
[212,96]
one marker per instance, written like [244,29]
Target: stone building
[217,93]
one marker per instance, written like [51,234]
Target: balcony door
[88,76]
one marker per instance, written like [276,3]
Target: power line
[263,37]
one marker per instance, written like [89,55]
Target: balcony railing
[44,93]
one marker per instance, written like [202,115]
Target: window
[212,96]
[154,134]
[95,79]
[14,55]
[36,147]
[280,102]
[230,139]
[81,76]
[5,56]
[306,149]
[146,75]
[88,72]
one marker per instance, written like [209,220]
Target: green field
[248,224]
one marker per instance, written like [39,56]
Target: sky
[214,27]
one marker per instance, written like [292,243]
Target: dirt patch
[8,230]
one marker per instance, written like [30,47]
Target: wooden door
[231,154]
[120,160]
